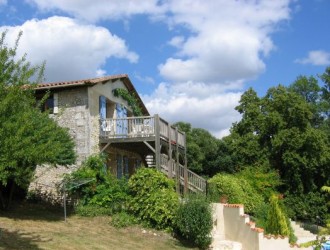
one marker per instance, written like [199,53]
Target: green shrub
[92,210]
[153,198]
[236,189]
[311,207]
[123,219]
[276,219]
[100,188]
[194,221]
[264,180]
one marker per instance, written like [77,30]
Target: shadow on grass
[35,211]
[19,240]
[183,242]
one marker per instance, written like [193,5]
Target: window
[50,105]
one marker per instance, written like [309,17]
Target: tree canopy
[282,130]
[28,136]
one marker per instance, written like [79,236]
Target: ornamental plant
[194,221]
[276,219]
[236,189]
[101,189]
[153,198]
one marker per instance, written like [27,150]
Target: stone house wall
[73,114]
[78,110]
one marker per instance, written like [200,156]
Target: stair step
[302,234]
[226,245]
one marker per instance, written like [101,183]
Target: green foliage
[102,189]
[153,198]
[276,219]
[123,219]
[194,221]
[284,131]
[311,206]
[28,137]
[236,189]
[264,180]
[131,100]
[202,149]
[92,210]
[325,189]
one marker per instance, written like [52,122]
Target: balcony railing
[143,126]
[192,181]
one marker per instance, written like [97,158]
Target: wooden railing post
[157,141]
[185,166]
[177,165]
[169,163]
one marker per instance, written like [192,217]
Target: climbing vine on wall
[131,100]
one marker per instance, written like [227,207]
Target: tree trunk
[10,198]
[2,200]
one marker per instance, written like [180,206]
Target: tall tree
[277,130]
[201,149]
[28,137]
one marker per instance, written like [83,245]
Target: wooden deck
[141,128]
[153,131]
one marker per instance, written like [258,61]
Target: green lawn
[37,227]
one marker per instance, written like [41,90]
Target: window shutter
[55,96]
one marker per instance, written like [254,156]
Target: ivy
[131,100]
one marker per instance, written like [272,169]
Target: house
[100,116]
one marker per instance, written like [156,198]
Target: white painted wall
[231,223]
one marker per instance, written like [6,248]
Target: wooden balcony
[139,129]
[145,135]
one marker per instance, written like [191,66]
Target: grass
[33,226]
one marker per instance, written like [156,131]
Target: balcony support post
[177,165]
[185,167]
[157,141]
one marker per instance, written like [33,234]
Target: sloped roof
[90,82]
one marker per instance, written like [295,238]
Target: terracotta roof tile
[234,205]
[90,81]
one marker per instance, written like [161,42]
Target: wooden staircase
[186,180]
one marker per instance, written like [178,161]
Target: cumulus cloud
[72,50]
[203,105]
[94,11]
[228,39]
[227,43]
[316,57]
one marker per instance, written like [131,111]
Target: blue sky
[190,60]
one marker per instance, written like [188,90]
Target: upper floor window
[50,104]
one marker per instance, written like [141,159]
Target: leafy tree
[28,137]
[325,77]
[202,149]
[277,131]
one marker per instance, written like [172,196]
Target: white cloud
[316,57]
[3,2]
[177,41]
[228,42]
[94,11]
[204,106]
[71,50]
